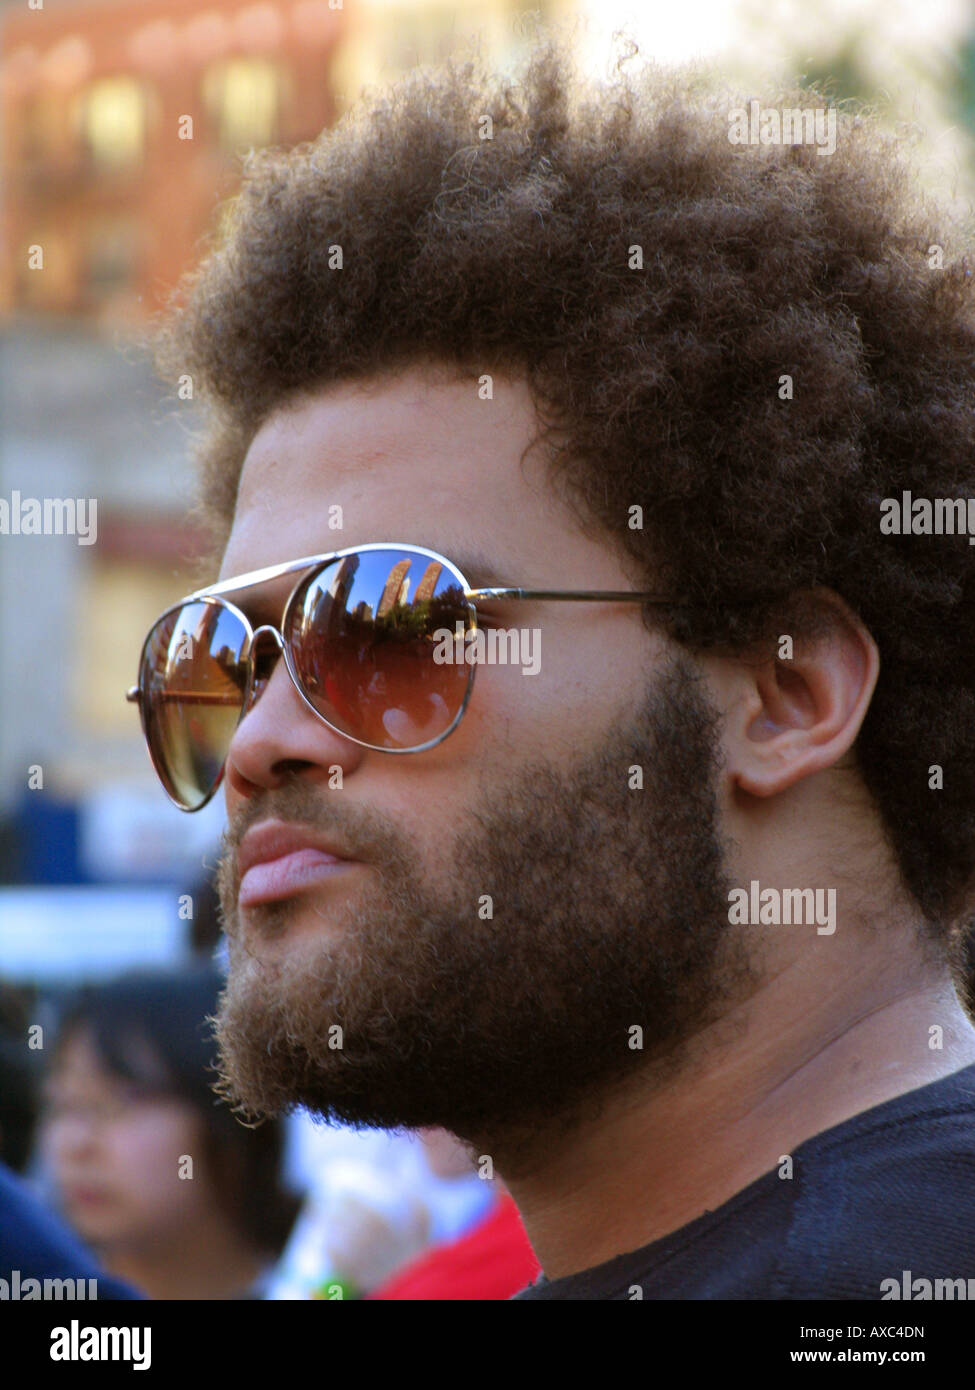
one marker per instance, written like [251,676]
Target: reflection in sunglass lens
[361,634]
[193,683]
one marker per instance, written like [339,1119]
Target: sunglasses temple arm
[571,595]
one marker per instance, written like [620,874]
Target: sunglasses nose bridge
[272,632]
[258,653]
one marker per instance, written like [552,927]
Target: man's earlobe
[804,711]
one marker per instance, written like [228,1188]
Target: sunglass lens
[193,682]
[362,636]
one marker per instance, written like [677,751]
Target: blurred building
[122,126]
[123,123]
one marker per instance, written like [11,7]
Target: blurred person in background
[173,1192]
[36,1246]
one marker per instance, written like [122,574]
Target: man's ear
[802,713]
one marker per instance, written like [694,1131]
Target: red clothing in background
[494,1260]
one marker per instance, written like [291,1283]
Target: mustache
[364,834]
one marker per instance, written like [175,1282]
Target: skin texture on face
[608,941]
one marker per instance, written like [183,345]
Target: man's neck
[660,1156]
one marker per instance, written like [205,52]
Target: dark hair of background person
[20,1075]
[149,1029]
[657,386]
[206,927]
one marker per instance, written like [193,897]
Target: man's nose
[278,734]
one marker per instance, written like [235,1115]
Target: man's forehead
[421,460]
[337,437]
[404,418]
[411,460]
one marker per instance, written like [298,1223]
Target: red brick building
[122,126]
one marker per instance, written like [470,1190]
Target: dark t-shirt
[887,1194]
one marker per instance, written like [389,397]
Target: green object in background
[336,1290]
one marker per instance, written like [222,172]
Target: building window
[42,132]
[114,122]
[243,96]
[111,261]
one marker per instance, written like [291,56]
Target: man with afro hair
[668,930]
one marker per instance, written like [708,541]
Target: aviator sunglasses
[358,637]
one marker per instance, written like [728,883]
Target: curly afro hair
[508,243]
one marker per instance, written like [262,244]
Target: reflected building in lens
[395,591]
[426,586]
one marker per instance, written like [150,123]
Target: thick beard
[609,915]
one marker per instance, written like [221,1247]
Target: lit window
[114,122]
[244,98]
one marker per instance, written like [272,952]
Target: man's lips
[276,860]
